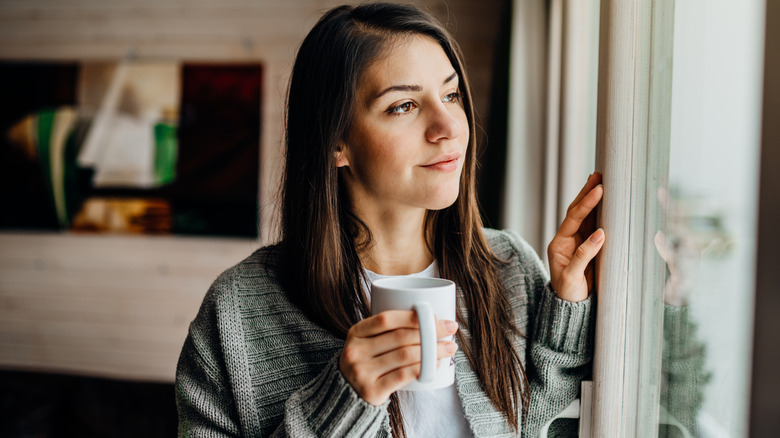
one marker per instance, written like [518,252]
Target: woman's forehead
[414,61]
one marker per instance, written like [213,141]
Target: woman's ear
[341,156]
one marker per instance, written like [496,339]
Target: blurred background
[140,154]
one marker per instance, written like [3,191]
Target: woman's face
[409,134]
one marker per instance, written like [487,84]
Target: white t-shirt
[432,413]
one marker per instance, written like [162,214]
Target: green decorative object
[57,151]
[166,151]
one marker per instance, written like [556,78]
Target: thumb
[585,253]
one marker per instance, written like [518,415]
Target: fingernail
[451,326]
[598,236]
[451,348]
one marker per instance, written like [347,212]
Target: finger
[384,322]
[445,328]
[588,225]
[397,338]
[445,349]
[396,377]
[577,213]
[593,180]
[389,341]
[409,355]
[395,319]
[585,253]
[660,245]
[393,381]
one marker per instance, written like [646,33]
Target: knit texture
[253,365]
[682,370]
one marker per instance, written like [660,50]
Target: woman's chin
[443,202]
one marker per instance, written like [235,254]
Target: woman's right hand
[382,353]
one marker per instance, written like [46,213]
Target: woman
[379,180]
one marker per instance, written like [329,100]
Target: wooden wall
[114,307]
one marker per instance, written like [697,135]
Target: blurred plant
[694,229]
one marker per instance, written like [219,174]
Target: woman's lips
[444,166]
[447,163]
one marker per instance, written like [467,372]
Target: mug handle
[427,341]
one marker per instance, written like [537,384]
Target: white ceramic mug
[427,297]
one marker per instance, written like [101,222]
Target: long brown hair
[322,238]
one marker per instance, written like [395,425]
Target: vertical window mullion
[632,151]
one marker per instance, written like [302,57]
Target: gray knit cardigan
[254,365]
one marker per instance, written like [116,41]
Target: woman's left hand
[576,244]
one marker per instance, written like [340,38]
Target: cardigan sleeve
[215,400]
[559,344]
[560,353]
[683,373]
[328,406]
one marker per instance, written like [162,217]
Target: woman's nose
[442,125]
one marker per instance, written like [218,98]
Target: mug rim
[397,283]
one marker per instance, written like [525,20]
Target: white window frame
[632,149]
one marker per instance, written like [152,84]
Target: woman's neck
[398,243]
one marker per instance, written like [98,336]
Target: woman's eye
[452,97]
[402,108]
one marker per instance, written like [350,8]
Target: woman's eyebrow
[411,87]
[450,77]
[398,88]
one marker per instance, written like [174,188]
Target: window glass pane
[709,237]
